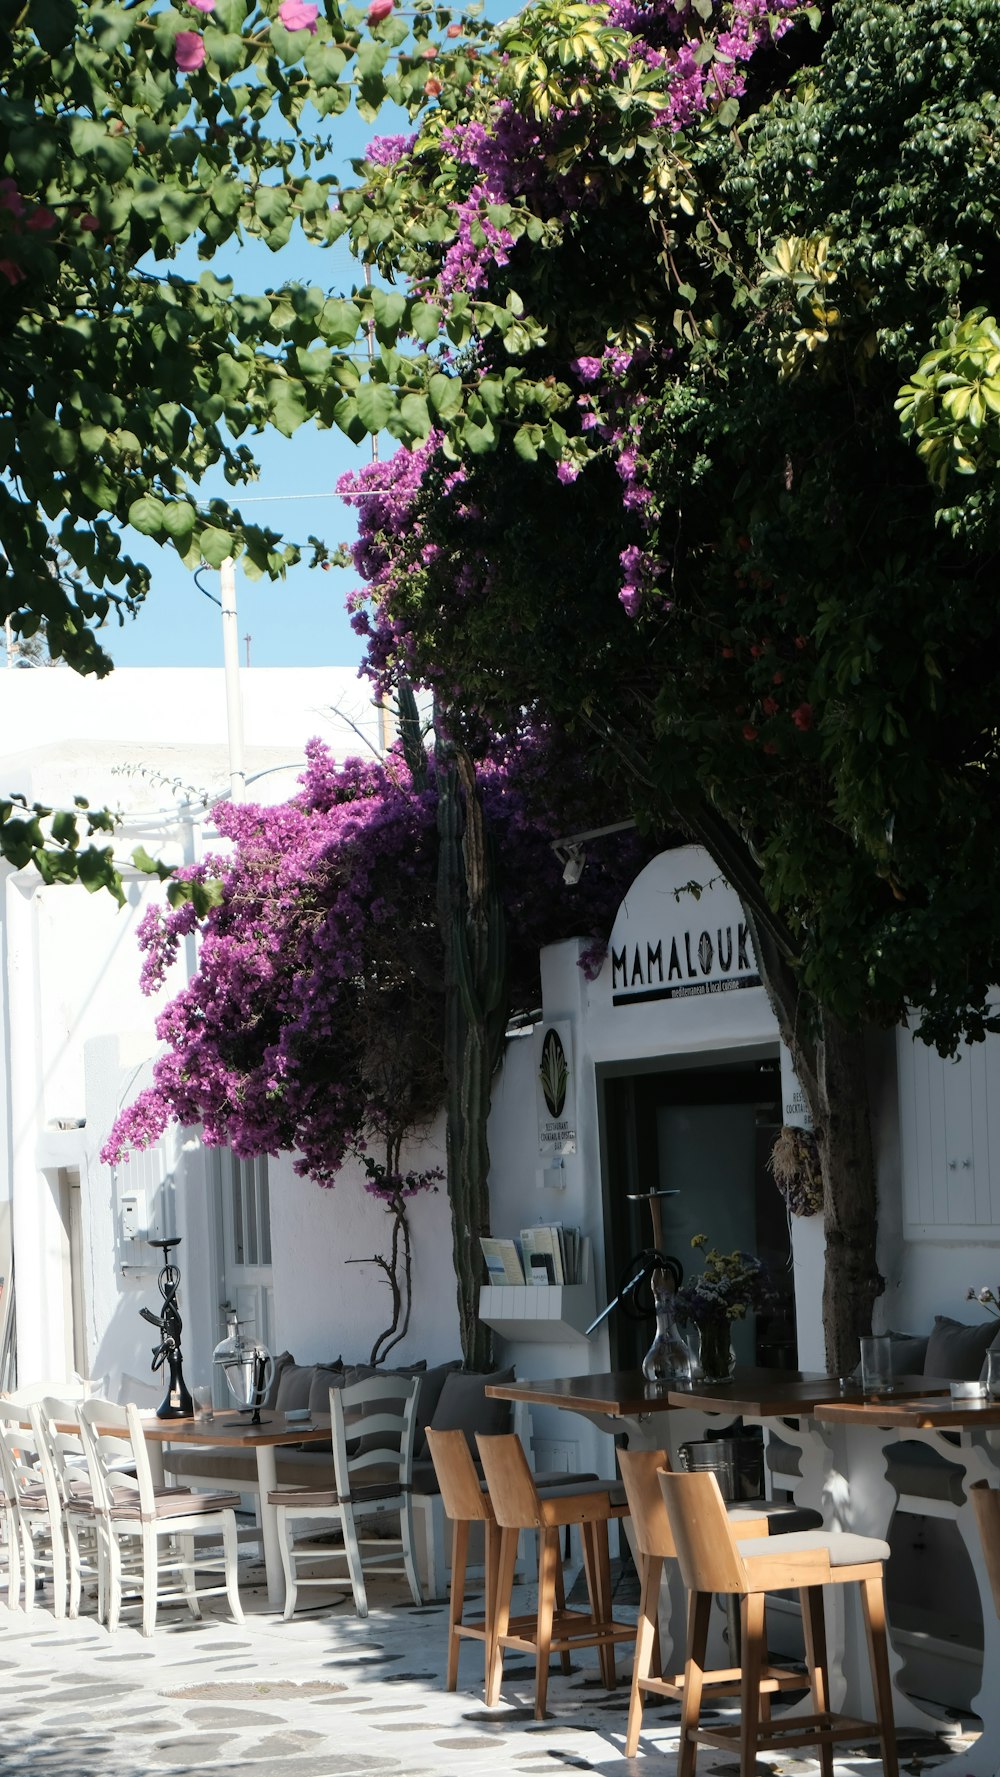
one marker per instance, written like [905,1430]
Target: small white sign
[794,1107]
[555,1088]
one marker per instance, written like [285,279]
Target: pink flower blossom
[10,270]
[203,5]
[189,51]
[379,10]
[10,198]
[298,15]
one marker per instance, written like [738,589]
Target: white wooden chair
[61,1453]
[373,1427]
[136,1519]
[34,1500]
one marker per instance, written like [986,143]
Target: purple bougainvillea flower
[189,51]
[298,15]
[379,10]
[203,5]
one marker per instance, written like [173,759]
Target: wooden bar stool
[466,1502]
[711,1560]
[518,1505]
[654,1542]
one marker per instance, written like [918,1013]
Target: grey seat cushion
[844,1548]
[924,1473]
[465,1406]
[782,1458]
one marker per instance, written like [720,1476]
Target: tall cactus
[474,934]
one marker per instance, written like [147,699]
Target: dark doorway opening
[705,1130]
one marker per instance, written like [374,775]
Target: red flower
[778,679]
[432,87]
[379,10]
[803,716]
[801,642]
[10,270]
[729,653]
[89,222]
[769,706]
[454,31]
[749,731]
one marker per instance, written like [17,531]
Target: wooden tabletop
[617,1393]
[924,1412]
[785,1394]
[222,1428]
[760,1394]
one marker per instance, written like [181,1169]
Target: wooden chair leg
[456,1605]
[753,1660]
[699,1614]
[814,1633]
[505,1583]
[873,1602]
[645,1647]
[565,1657]
[548,1564]
[491,1568]
[597,1566]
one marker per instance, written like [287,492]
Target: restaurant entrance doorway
[704,1128]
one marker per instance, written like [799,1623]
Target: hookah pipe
[635,1291]
[177,1402]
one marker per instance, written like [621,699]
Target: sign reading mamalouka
[680,932]
[556,1088]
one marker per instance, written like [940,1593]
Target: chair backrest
[23,1466]
[106,1428]
[461,1492]
[707,1553]
[71,1388]
[646,1505]
[511,1484]
[986,1505]
[373,1426]
[63,1448]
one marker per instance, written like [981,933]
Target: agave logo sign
[553,1073]
[556,1096]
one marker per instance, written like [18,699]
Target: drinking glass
[203,1401]
[993,1375]
[876,1364]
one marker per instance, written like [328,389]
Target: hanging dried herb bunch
[795,1166]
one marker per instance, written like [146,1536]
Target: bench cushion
[957,1353]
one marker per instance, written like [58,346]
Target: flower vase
[669,1358]
[715,1351]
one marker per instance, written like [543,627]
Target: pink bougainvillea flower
[189,51]
[203,5]
[89,223]
[379,10]
[41,219]
[298,15]
[10,270]
[803,717]
[10,198]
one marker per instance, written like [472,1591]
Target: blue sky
[301,620]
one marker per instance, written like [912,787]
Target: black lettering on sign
[636,968]
[725,960]
[619,966]
[705,953]
[654,960]
[675,962]
[742,959]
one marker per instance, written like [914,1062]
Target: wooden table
[264,1439]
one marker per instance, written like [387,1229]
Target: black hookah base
[177,1402]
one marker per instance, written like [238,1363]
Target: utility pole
[231,661]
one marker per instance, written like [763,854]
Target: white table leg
[267,1481]
[154,1451]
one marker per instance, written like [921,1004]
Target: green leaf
[340,322]
[389,307]
[375,404]
[215,546]
[445,395]
[53,22]
[425,321]
[526,443]
[416,416]
[146,515]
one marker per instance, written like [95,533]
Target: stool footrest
[798,1730]
[727,1680]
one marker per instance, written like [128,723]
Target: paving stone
[281,1745]
[191,1746]
[245,1719]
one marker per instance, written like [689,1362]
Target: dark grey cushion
[924,1473]
[324,1377]
[465,1406]
[281,1363]
[956,1353]
[293,1388]
[431,1384]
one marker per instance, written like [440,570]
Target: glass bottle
[669,1358]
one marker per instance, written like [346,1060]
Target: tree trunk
[472,928]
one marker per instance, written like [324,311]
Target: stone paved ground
[326,1695]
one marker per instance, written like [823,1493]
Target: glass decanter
[669,1359]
